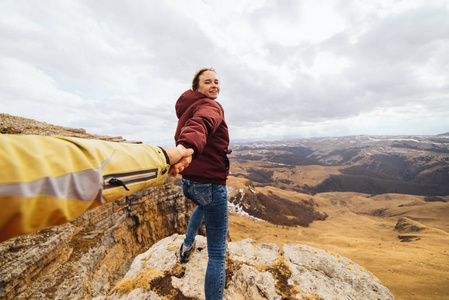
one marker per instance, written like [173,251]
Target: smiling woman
[207,83]
[202,127]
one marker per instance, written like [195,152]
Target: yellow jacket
[47,181]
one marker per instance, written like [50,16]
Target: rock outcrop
[86,257]
[254,271]
[18,125]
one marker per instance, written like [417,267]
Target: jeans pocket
[199,193]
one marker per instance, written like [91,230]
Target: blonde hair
[196,78]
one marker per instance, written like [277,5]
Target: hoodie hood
[186,100]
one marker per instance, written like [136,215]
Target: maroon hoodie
[202,127]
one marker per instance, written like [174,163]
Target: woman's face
[209,85]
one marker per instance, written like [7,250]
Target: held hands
[180,158]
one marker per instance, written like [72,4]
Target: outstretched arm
[46,181]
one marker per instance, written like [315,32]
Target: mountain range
[415,165]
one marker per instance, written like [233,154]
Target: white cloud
[288,68]
[26,89]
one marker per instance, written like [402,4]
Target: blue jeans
[212,206]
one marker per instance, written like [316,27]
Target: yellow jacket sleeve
[47,181]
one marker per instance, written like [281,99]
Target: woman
[202,127]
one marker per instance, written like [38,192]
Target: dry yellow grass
[310,175]
[141,280]
[411,270]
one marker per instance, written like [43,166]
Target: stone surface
[254,271]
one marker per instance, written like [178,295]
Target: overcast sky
[287,68]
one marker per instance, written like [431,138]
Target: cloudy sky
[288,68]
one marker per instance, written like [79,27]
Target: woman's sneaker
[184,254]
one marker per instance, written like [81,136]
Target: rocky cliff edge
[253,271]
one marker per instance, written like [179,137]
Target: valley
[400,234]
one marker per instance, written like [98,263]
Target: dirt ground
[418,269]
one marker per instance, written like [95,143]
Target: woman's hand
[180,158]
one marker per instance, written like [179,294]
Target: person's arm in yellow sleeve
[47,181]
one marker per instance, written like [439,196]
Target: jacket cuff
[165,154]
